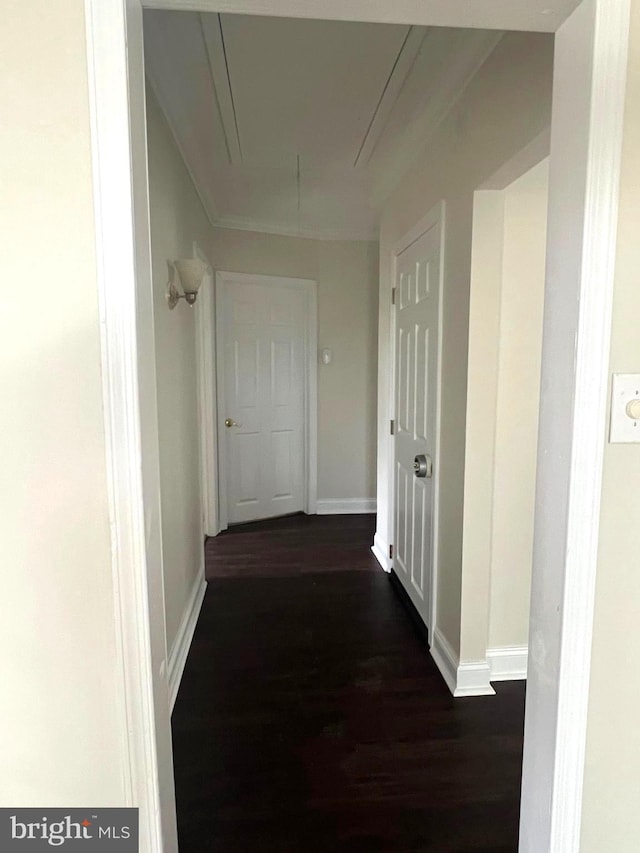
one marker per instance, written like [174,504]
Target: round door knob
[229,422]
[422,466]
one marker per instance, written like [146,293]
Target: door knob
[422,466]
[231,423]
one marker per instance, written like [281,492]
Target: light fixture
[190,273]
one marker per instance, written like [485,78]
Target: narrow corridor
[312,719]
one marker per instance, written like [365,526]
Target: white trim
[207,401]
[182,643]
[436,216]
[107,32]
[310,287]
[508,663]
[583,209]
[443,95]
[311,397]
[433,592]
[523,161]
[593,342]
[345,506]
[260,226]
[501,14]
[248,223]
[473,679]
[446,659]
[380,550]
[469,678]
[206,201]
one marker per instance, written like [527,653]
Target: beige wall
[503,394]
[612,777]
[518,397]
[347,310]
[482,401]
[60,740]
[503,109]
[177,219]
[347,276]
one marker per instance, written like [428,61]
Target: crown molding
[440,97]
[245,223]
[388,167]
[206,201]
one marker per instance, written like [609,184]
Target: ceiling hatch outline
[383,154]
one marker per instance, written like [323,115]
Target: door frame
[207,399]
[437,216]
[310,411]
[589,93]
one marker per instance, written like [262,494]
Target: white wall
[612,780]
[347,276]
[503,109]
[60,739]
[177,219]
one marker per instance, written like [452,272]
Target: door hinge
[391,552]
[393,296]
[392,427]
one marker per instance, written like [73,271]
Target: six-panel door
[262,416]
[416,376]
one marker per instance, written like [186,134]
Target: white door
[262,398]
[417,283]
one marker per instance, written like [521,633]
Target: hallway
[312,718]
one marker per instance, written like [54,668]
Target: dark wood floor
[312,718]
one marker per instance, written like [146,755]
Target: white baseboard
[473,679]
[381,552]
[508,663]
[346,506]
[182,642]
[470,678]
[446,659]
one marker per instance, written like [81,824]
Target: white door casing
[418,273]
[207,409]
[266,355]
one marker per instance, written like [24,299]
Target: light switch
[625,408]
[326,356]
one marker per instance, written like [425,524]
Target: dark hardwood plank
[293,545]
[312,718]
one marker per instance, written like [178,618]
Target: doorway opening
[574,171]
[503,399]
[281,169]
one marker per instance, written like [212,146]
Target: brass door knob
[231,423]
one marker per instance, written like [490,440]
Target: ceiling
[293,126]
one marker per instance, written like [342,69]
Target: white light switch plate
[624,388]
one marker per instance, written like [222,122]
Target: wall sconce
[190,273]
